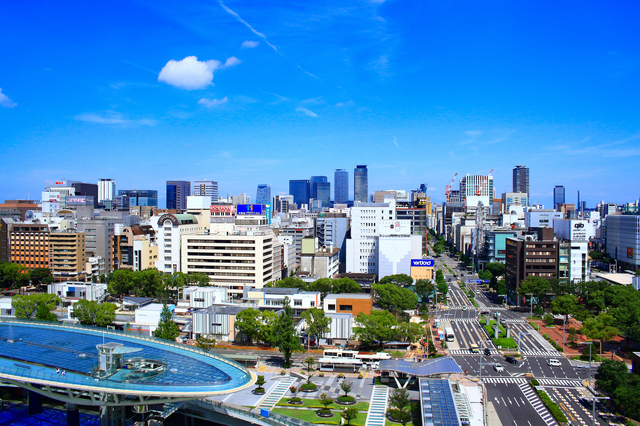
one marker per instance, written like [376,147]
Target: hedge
[552,407]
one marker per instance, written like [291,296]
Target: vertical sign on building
[268,213]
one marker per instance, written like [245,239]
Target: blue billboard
[422,262]
[250,209]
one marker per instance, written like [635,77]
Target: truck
[440,334]
[448,331]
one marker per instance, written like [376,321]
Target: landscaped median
[502,341]
[307,411]
[553,408]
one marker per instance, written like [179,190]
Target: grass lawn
[310,416]
[307,403]
[502,340]
[585,357]
[388,423]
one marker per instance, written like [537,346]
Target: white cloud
[210,103]
[306,112]
[249,44]
[231,62]
[113,118]
[189,73]
[5,101]
[246,24]
[395,141]
[345,104]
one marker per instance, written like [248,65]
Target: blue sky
[416,90]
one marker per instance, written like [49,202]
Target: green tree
[28,306]
[90,312]
[317,322]
[205,342]
[345,285]
[496,268]
[620,295]
[399,398]
[346,387]
[325,400]
[120,282]
[400,280]
[199,279]
[424,289]
[611,375]
[443,288]
[600,328]
[350,413]
[260,381]
[537,286]
[564,305]
[13,275]
[44,314]
[286,338]
[378,326]
[627,317]
[501,287]
[167,329]
[573,336]
[391,295]
[40,276]
[410,332]
[289,282]
[403,416]
[148,283]
[322,285]
[248,322]
[267,327]
[309,361]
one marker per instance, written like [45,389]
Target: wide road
[515,408]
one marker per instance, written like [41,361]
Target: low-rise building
[348,303]
[76,290]
[273,298]
[202,297]
[148,317]
[217,321]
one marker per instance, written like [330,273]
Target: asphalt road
[512,406]
[578,409]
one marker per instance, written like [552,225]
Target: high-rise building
[138,197]
[323,193]
[300,191]
[263,195]
[558,196]
[106,189]
[360,184]
[341,186]
[177,192]
[476,188]
[206,188]
[314,183]
[521,180]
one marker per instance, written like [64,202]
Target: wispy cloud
[395,141]
[313,101]
[345,104]
[139,66]
[5,101]
[113,118]
[249,44]
[210,103]
[306,112]
[246,24]
[231,61]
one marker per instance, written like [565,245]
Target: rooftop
[347,296]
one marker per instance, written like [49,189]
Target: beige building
[134,247]
[29,245]
[67,257]
[233,260]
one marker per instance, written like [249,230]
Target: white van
[554,363]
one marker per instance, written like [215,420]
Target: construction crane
[479,191]
[447,188]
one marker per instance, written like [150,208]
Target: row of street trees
[383,326]
[13,275]
[323,285]
[152,283]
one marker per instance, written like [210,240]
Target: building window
[297,302]
[346,307]
[332,307]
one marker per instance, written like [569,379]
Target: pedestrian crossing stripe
[468,352]
[540,353]
[561,383]
[536,403]
[504,380]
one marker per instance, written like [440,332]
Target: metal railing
[274,419]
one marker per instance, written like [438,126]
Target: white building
[148,317]
[106,189]
[6,309]
[194,297]
[273,298]
[396,248]
[362,250]
[541,218]
[169,230]
[76,290]
[321,263]
[575,233]
[217,321]
[206,188]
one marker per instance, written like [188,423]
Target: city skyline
[255,89]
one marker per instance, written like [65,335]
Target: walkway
[276,394]
[378,407]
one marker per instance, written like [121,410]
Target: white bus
[448,334]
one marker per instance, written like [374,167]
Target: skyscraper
[177,192]
[323,193]
[300,191]
[263,195]
[558,196]
[206,188]
[341,188]
[521,180]
[138,197]
[106,189]
[360,184]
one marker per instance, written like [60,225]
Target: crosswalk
[540,353]
[561,383]
[536,403]
[468,352]
[279,390]
[505,380]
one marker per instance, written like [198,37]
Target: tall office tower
[300,191]
[139,197]
[206,188]
[313,185]
[263,195]
[177,192]
[106,189]
[341,188]
[320,190]
[558,196]
[360,184]
[521,180]
[476,188]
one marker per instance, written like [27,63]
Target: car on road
[464,308]
[554,363]
[499,368]
[503,321]
[487,351]
[512,360]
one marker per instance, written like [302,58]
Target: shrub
[321,374]
[548,319]
[534,382]
[553,407]
[309,386]
[295,399]
[346,398]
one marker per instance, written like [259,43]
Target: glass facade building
[361,184]
[263,195]
[299,189]
[341,186]
[177,192]
[558,196]
[521,180]
[140,197]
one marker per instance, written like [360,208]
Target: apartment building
[67,257]
[29,245]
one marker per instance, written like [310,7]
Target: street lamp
[594,398]
[480,351]
[531,303]
[590,346]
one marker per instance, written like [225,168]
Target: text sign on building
[230,210]
[429,263]
[250,209]
[84,200]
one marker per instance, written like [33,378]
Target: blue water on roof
[62,348]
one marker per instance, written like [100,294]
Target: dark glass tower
[360,184]
[341,188]
[300,191]
[521,180]
[177,192]
[140,197]
[558,196]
